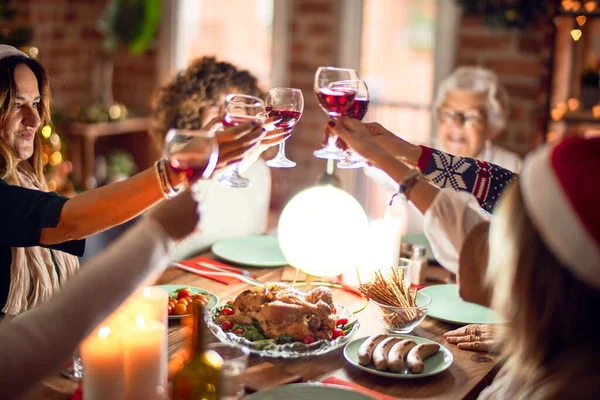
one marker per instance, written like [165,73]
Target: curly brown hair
[181,103]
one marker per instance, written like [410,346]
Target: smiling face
[20,126]
[462,128]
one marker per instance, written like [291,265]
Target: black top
[25,213]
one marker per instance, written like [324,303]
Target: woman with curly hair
[190,100]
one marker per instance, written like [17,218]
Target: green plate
[446,305]
[253,251]
[213,299]
[307,391]
[435,364]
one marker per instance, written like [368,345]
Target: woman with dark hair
[41,232]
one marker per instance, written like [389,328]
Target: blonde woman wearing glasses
[472,109]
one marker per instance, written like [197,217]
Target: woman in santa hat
[543,270]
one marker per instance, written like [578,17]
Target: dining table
[469,373]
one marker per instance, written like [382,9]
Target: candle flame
[140,322]
[387,214]
[104,332]
[147,292]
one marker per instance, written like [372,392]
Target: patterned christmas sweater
[483,180]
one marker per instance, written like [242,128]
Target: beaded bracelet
[167,179]
[406,185]
[165,184]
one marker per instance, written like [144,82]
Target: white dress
[35,343]
[230,212]
[447,223]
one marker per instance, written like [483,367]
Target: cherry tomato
[227,311]
[200,299]
[341,321]
[189,299]
[183,293]
[170,308]
[337,332]
[183,301]
[226,325]
[179,309]
[308,339]
[239,331]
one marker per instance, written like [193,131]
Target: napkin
[361,389]
[192,266]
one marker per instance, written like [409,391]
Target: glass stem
[281,152]
[237,168]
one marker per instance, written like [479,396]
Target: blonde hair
[546,307]
[480,80]
[8,91]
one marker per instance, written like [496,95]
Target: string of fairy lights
[577,9]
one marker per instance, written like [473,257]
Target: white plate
[435,364]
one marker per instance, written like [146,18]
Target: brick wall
[520,59]
[69,45]
[313,42]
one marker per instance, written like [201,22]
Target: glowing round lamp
[322,231]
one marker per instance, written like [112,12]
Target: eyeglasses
[468,118]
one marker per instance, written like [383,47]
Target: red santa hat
[561,190]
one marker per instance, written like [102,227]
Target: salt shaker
[419,265]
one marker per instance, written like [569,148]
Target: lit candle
[145,359]
[151,303]
[102,356]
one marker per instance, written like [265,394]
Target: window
[402,49]
[239,32]
[397,62]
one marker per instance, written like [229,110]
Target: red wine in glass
[193,153]
[191,165]
[288,117]
[336,101]
[358,109]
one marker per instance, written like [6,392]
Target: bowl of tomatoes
[182,299]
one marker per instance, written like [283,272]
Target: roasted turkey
[279,309]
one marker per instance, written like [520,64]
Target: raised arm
[484,180]
[111,205]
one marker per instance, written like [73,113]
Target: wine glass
[193,153]
[287,104]
[358,110]
[334,102]
[239,109]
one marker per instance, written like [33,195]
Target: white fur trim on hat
[555,219]
[8,51]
